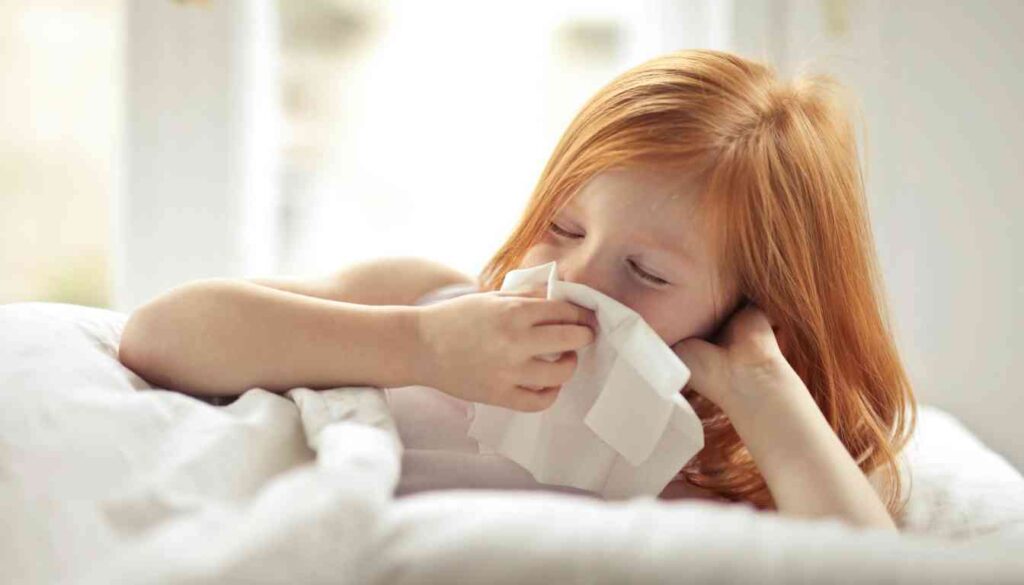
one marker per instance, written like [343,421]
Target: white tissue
[620,426]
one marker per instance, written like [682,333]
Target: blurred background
[144,143]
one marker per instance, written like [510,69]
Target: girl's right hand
[486,347]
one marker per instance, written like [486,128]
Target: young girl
[724,206]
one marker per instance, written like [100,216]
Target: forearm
[222,337]
[808,470]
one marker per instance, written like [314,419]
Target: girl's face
[635,235]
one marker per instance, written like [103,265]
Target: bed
[105,479]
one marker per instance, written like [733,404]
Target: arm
[224,336]
[806,467]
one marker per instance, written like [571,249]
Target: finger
[542,373]
[703,360]
[551,311]
[563,312]
[750,321]
[530,400]
[558,338]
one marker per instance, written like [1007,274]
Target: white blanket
[106,480]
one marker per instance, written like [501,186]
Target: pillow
[955,485]
[51,344]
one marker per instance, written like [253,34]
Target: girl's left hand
[808,470]
[744,363]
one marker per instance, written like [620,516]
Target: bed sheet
[105,479]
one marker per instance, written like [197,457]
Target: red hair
[788,220]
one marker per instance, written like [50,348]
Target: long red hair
[788,219]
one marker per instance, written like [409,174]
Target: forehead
[654,207]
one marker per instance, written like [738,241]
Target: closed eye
[563,233]
[646,275]
[636,268]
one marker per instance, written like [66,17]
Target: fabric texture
[106,479]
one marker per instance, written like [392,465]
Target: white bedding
[104,479]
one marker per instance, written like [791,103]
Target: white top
[440,455]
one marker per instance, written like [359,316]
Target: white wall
[941,84]
[199,176]
[60,92]
[440,125]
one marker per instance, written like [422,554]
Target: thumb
[704,360]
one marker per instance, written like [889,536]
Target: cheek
[537,255]
[677,318]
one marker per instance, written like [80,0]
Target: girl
[724,206]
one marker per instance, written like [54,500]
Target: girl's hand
[808,470]
[485,347]
[745,362]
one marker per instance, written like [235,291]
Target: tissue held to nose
[619,425]
[485,348]
[585,316]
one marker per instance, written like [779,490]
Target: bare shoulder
[397,280]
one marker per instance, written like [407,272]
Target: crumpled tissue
[620,426]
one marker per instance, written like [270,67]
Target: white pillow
[51,344]
[958,487]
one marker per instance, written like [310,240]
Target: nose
[584,268]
